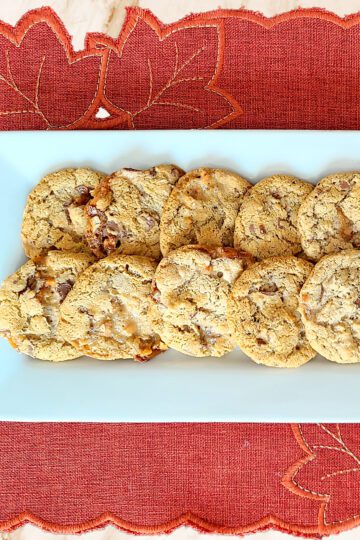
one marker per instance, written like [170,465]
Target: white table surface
[175,387]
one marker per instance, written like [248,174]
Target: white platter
[171,387]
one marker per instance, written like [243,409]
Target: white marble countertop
[81,16]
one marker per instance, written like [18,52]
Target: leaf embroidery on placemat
[180,75]
[157,75]
[40,73]
[152,76]
[329,471]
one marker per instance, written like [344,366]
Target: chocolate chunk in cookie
[190,291]
[106,316]
[329,218]
[125,213]
[30,302]
[264,315]
[330,307]
[266,225]
[202,209]
[54,214]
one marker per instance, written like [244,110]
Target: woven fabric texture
[151,478]
[224,69]
[231,69]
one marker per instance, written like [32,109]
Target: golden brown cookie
[266,225]
[329,217]
[124,215]
[30,303]
[330,307]
[54,214]
[106,314]
[263,312]
[190,291]
[202,209]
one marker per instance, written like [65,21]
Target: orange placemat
[230,69]
[224,69]
[152,478]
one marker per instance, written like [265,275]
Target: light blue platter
[171,387]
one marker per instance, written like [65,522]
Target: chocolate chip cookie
[266,225]
[106,314]
[263,312]
[54,214]
[30,303]
[202,209]
[329,218]
[124,215]
[190,291]
[330,307]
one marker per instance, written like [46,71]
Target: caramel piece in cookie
[190,291]
[266,225]
[330,307]
[106,314]
[202,209]
[125,213]
[264,316]
[54,214]
[30,303]
[329,218]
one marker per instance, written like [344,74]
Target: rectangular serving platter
[172,387]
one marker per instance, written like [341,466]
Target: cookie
[30,303]
[202,209]
[263,312]
[329,218]
[330,307]
[190,291]
[124,215]
[266,225]
[54,214]
[106,314]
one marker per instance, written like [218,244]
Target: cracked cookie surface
[329,218]
[190,291]
[54,213]
[125,213]
[30,301]
[263,312]
[266,225]
[202,209]
[106,314]
[330,307]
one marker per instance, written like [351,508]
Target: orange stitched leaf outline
[164,75]
[34,80]
[328,472]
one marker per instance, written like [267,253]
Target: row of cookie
[284,310]
[280,215]
[203,301]
[84,210]
[198,300]
[134,212]
[154,211]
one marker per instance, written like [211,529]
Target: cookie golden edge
[241,241]
[304,232]
[52,348]
[34,244]
[81,288]
[319,273]
[175,341]
[234,314]
[168,242]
